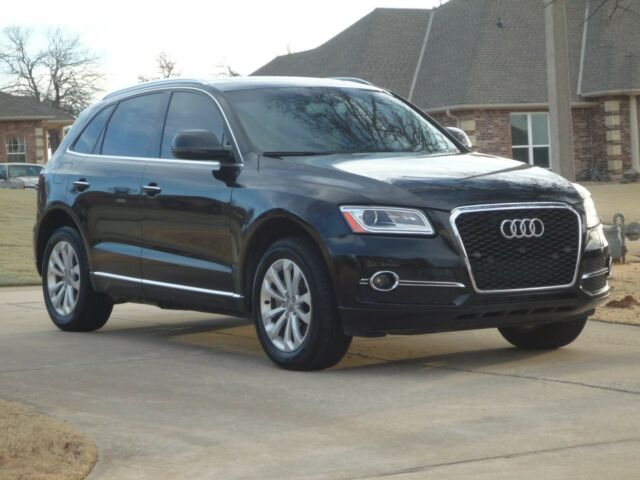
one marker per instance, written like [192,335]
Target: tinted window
[334,120]
[190,111]
[3,172]
[132,127]
[87,140]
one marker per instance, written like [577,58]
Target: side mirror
[199,145]
[460,136]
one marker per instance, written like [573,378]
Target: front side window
[16,148]
[334,120]
[190,111]
[3,172]
[132,128]
[86,143]
[530,138]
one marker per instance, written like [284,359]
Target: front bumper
[435,293]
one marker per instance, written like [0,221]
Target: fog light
[384,281]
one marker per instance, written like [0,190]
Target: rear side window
[87,141]
[3,172]
[132,128]
[190,111]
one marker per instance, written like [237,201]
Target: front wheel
[544,337]
[72,303]
[295,310]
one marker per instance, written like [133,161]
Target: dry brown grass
[36,446]
[17,217]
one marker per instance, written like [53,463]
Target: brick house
[29,129]
[480,65]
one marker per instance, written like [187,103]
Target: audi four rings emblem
[522,228]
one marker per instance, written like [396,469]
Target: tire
[307,333]
[72,303]
[544,337]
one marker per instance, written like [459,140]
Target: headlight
[591,215]
[592,218]
[387,220]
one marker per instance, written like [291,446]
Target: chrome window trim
[159,159]
[456,212]
[175,286]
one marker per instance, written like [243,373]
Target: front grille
[595,262]
[595,284]
[497,263]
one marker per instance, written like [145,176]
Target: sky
[200,36]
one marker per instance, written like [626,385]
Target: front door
[187,247]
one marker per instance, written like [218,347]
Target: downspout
[583,47]
[421,56]
[451,115]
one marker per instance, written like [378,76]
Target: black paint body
[200,233]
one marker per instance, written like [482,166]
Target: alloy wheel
[63,278]
[285,305]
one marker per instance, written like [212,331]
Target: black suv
[324,208]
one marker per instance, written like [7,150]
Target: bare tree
[166,68]
[225,70]
[63,74]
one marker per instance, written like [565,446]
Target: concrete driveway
[187,395]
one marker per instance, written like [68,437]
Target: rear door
[186,239]
[114,148]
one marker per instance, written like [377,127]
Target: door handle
[151,190]
[81,185]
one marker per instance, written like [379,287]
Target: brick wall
[490,132]
[34,134]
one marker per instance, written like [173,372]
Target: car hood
[28,181]
[448,181]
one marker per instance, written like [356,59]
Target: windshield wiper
[294,154]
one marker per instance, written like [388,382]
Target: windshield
[16,171]
[317,120]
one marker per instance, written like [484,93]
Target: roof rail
[353,79]
[144,85]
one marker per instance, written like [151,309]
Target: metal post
[635,143]
[559,88]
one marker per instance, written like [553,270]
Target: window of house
[530,138]
[16,149]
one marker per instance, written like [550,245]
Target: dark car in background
[323,208]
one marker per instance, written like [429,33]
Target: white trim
[175,286]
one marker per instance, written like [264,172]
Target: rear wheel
[544,337]
[295,310]
[72,303]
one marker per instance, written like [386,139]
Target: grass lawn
[17,217]
[36,446]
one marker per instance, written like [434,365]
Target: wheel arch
[267,229]
[54,218]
